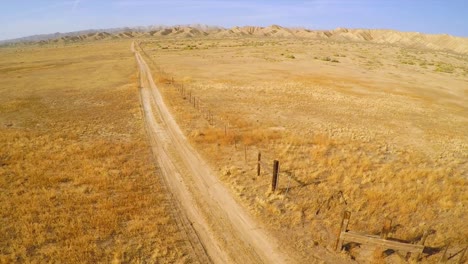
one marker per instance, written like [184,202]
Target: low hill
[407,39]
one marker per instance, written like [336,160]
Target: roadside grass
[344,141]
[77,180]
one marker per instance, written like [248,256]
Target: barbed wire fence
[222,123]
[264,163]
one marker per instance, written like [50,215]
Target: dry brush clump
[321,178]
[227,137]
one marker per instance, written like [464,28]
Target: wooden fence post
[274,181]
[258,163]
[386,228]
[384,234]
[245,153]
[343,228]
[462,256]
[139,78]
[444,259]
[422,242]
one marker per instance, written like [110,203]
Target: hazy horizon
[26,18]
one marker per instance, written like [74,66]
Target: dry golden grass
[77,179]
[369,134]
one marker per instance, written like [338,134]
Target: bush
[444,67]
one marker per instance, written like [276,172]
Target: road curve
[226,232]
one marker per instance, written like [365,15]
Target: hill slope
[408,39]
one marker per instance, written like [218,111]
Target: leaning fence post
[384,234]
[245,153]
[422,242]
[258,163]
[386,228]
[274,181]
[462,256]
[444,259]
[344,227]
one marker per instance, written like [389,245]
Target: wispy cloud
[43,9]
[75,4]
[184,3]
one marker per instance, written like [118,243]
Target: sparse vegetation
[77,178]
[317,123]
[190,47]
[75,169]
[444,67]
[407,62]
[327,58]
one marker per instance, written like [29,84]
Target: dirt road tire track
[193,244]
[224,228]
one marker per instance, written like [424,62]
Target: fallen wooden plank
[384,243]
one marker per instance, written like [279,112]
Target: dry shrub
[164,79]
[259,136]
[214,136]
[220,136]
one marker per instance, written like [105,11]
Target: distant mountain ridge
[407,39]
[40,37]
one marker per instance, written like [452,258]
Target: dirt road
[223,230]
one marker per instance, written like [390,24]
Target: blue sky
[20,18]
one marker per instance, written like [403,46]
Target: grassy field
[375,129]
[77,180]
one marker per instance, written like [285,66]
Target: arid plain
[77,179]
[376,129]
[373,128]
